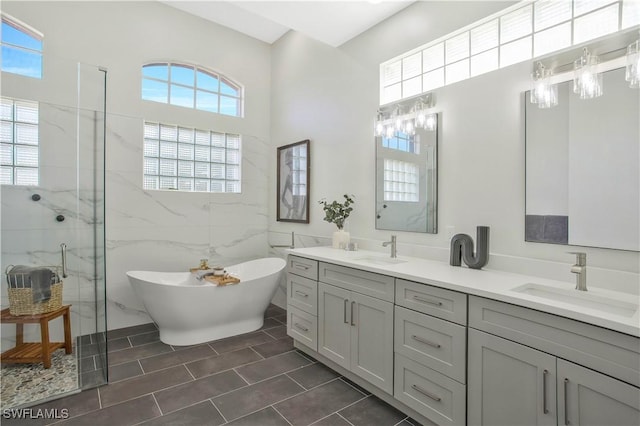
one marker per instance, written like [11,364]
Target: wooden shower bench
[27,352]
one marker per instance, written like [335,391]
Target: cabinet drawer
[302,327]
[610,352]
[302,293]
[432,342]
[439,302]
[437,397]
[369,283]
[304,267]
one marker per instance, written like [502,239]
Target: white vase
[341,239]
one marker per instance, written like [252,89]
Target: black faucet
[462,249]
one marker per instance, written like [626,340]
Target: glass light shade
[632,73]
[409,128]
[543,93]
[431,123]
[390,131]
[421,118]
[379,128]
[587,82]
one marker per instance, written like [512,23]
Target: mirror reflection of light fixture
[418,118]
[632,73]
[543,93]
[587,82]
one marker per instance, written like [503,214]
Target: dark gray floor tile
[372,411]
[266,417]
[138,352]
[218,363]
[281,319]
[272,367]
[127,413]
[332,420]
[203,414]
[131,331]
[241,341]
[279,346]
[84,340]
[318,402]
[410,422]
[270,323]
[87,364]
[177,357]
[256,397]
[92,378]
[132,388]
[118,344]
[277,332]
[89,350]
[195,391]
[274,311]
[313,375]
[124,371]
[144,338]
[98,337]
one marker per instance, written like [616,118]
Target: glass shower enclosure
[52,215]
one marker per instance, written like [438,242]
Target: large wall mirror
[407,181]
[582,168]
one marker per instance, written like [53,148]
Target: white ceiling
[332,22]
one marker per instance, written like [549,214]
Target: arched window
[21,49]
[191,87]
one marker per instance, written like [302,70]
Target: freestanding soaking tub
[190,311]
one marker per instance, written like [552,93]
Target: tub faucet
[580,269]
[394,252]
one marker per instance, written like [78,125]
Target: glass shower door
[52,196]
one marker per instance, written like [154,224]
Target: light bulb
[587,82]
[431,122]
[632,71]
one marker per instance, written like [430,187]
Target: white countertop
[495,285]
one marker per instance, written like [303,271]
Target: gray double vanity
[456,346]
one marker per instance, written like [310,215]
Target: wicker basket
[21,301]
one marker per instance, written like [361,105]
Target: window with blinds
[192,160]
[19,142]
[21,49]
[519,33]
[191,87]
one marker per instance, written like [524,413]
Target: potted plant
[337,213]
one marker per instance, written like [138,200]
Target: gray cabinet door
[334,324]
[586,397]
[508,383]
[372,340]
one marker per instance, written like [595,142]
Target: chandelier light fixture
[587,82]
[632,72]
[543,93]
[396,121]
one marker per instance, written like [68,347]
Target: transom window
[402,142]
[21,49]
[19,142]
[186,159]
[191,87]
[518,33]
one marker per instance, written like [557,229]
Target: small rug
[27,383]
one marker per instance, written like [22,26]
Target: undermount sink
[581,299]
[379,260]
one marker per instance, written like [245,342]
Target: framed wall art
[293,182]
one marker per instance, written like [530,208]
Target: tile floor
[253,379]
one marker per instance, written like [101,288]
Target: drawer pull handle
[301,327]
[426,393]
[428,301]
[425,341]
[352,320]
[301,293]
[345,311]
[566,405]
[545,373]
[299,266]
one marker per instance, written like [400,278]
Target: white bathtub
[188,311]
